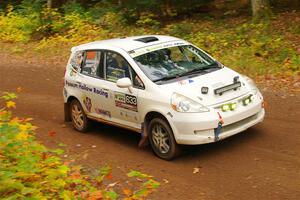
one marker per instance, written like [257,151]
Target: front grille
[239,123]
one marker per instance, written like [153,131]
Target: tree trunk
[260,8]
[120,3]
[49,3]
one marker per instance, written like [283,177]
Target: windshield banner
[143,50]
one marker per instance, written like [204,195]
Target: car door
[124,107]
[95,94]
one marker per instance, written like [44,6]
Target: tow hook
[218,130]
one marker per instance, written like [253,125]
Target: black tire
[158,131]
[79,119]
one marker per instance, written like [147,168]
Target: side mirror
[124,83]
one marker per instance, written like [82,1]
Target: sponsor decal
[91,55]
[144,50]
[88,103]
[102,112]
[84,87]
[74,85]
[182,82]
[101,92]
[129,115]
[126,101]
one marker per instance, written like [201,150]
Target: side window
[137,82]
[116,67]
[92,63]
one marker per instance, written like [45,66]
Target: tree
[49,3]
[260,9]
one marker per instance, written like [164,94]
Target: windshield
[173,62]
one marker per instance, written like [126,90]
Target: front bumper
[201,128]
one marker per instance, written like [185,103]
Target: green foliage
[17,28]
[295,29]
[179,29]
[29,170]
[110,21]
[295,66]
[137,174]
[249,47]
[8,96]
[27,7]
[255,48]
[74,7]
[146,19]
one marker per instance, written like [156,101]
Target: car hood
[191,87]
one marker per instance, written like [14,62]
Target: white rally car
[163,87]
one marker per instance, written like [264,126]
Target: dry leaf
[196,170]
[113,184]
[51,133]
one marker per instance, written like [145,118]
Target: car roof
[128,43]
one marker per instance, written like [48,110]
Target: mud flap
[67,112]
[218,130]
[144,136]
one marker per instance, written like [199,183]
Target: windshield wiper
[193,71]
[201,69]
[166,78]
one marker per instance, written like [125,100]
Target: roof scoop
[147,39]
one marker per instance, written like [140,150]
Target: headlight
[181,103]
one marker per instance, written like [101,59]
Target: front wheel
[79,119]
[162,139]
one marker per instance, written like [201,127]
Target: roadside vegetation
[29,170]
[267,46]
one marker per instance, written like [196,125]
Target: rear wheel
[79,119]
[162,139]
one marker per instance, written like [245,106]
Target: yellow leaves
[10,104]
[33,128]
[22,136]
[127,192]
[28,119]
[27,127]
[48,176]
[95,195]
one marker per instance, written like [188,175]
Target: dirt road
[260,163]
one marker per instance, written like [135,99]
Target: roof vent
[147,39]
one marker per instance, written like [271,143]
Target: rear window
[76,60]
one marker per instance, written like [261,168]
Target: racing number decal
[130,99]
[126,101]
